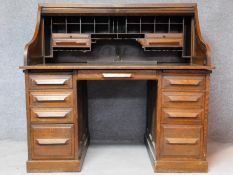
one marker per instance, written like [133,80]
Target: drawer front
[170,115]
[63,40]
[182,99]
[183,82]
[52,141]
[40,81]
[51,98]
[181,141]
[117,74]
[80,43]
[51,115]
[162,40]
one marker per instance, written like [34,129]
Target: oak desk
[159,43]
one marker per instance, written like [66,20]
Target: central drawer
[52,141]
[51,98]
[117,74]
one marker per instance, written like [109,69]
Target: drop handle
[117,75]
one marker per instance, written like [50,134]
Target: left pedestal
[54,139]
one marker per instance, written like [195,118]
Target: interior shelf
[118,29]
[120,24]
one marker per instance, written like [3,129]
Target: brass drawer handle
[183,98]
[182,141]
[52,141]
[41,98]
[51,81]
[117,75]
[175,114]
[185,82]
[53,114]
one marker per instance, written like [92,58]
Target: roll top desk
[159,43]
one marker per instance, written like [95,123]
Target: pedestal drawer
[183,82]
[43,81]
[51,115]
[181,141]
[191,116]
[55,141]
[51,98]
[182,99]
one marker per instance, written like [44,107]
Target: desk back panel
[113,106]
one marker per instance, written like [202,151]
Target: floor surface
[112,160]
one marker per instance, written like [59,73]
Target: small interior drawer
[117,74]
[63,40]
[181,141]
[51,115]
[183,82]
[182,99]
[191,116]
[55,141]
[51,98]
[162,40]
[42,81]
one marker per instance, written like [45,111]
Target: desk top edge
[110,66]
[116,5]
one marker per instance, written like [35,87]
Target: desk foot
[37,166]
[181,166]
[173,166]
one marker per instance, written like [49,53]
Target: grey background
[17,24]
